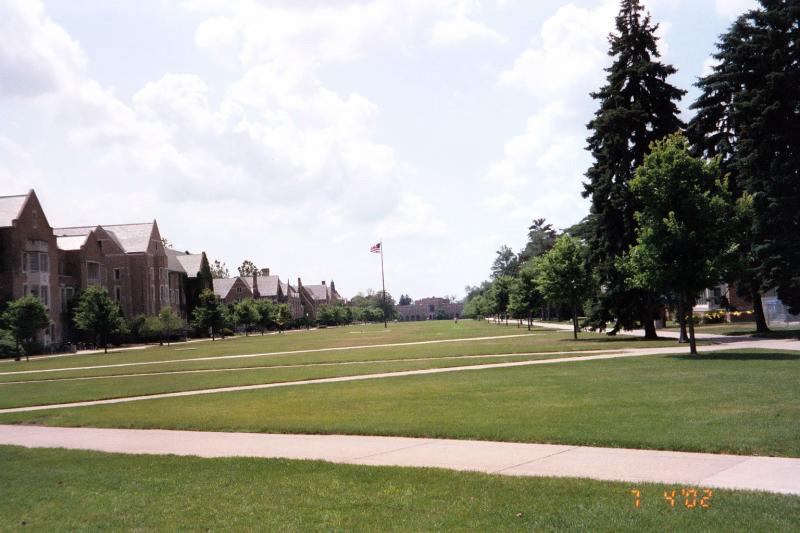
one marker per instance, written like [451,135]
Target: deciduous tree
[171,323]
[98,315]
[209,315]
[25,318]
[562,276]
[683,239]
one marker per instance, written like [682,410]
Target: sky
[299,133]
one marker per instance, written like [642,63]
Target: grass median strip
[52,489]
[48,392]
[741,402]
[544,343]
[340,337]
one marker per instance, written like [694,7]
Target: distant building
[430,309]
[232,290]
[313,296]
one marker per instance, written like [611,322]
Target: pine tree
[749,114]
[637,107]
[713,134]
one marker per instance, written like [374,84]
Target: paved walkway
[700,470]
[636,352]
[662,333]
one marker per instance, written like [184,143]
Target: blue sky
[298,133]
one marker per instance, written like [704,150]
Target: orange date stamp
[689,498]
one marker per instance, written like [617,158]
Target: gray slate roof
[318,292]
[132,238]
[190,263]
[10,207]
[222,286]
[267,285]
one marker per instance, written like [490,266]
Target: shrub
[8,346]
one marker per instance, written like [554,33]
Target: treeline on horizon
[675,208]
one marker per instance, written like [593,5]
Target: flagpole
[383,286]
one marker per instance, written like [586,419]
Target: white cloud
[461,29]
[36,55]
[733,8]
[571,50]
[543,146]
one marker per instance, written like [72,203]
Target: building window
[67,294]
[39,291]
[117,273]
[93,272]
[34,262]
[118,294]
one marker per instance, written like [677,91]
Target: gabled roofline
[23,205]
[106,225]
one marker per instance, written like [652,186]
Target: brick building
[429,309]
[128,260]
[232,290]
[29,258]
[313,296]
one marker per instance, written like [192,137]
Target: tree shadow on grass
[740,356]
[612,338]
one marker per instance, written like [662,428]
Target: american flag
[376,249]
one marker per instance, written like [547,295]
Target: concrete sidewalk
[662,333]
[700,470]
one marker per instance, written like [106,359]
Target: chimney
[323,282]
[299,283]
[265,272]
[255,285]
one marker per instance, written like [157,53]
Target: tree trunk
[758,308]
[649,326]
[682,320]
[530,317]
[692,340]
[575,322]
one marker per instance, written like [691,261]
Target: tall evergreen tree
[713,134]
[637,107]
[753,93]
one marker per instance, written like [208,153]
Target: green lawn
[60,490]
[53,392]
[178,355]
[732,402]
[353,335]
[543,342]
[24,384]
